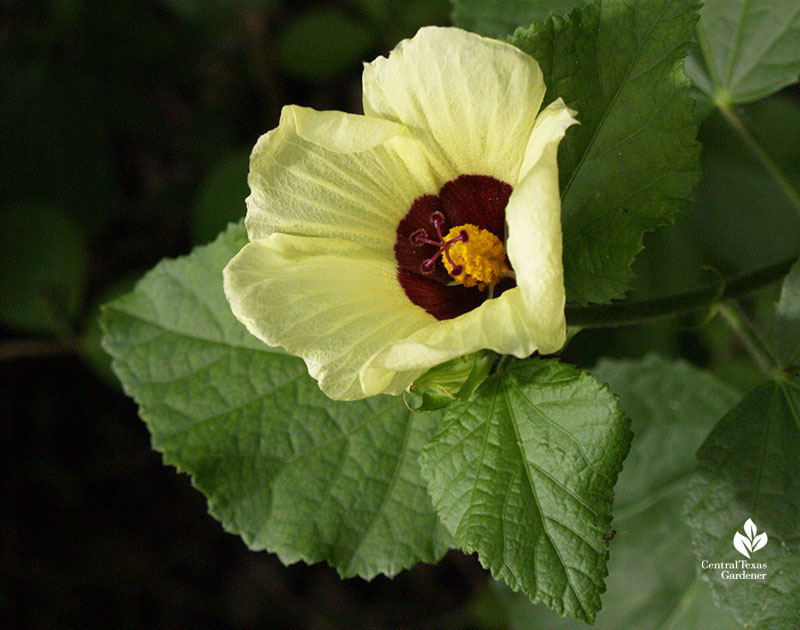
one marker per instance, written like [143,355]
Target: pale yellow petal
[471,100]
[329,301]
[533,217]
[525,319]
[503,324]
[551,125]
[337,175]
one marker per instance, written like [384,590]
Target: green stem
[638,311]
[732,314]
[766,160]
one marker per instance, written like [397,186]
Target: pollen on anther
[424,271]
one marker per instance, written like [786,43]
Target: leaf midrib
[776,392]
[747,68]
[613,101]
[374,518]
[540,512]
[555,424]
[737,37]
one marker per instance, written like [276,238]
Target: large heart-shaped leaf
[524,474]
[633,162]
[747,50]
[288,469]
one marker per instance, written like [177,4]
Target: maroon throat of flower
[450,247]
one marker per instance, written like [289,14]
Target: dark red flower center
[421,243]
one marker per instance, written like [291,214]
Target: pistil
[478,259]
[420,237]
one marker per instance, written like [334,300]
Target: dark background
[125,129]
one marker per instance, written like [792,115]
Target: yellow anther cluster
[482,257]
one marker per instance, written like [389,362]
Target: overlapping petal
[533,216]
[327,300]
[336,175]
[471,100]
[529,317]
[502,324]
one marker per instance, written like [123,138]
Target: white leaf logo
[753,541]
[742,545]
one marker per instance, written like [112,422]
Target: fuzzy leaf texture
[524,475]
[750,469]
[498,18]
[633,162]
[787,321]
[747,49]
[283,466]
[749,473]
[653,581]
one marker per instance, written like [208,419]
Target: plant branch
[638,311]
[732,314]
[767,161]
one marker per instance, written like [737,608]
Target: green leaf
[42,269]
[323,44]
[749,468]
[498,18]
[748,49]
[524,475]
[283,466]
[652,569]
[738,197]
[220,198]
[456,379]
[672,406]
[632,163]
[787,321]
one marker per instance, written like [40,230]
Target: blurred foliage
[739,221]
[499,18]
[43,258]
[338,41]
[220,197]
[653,580]
[738,197]
[215,9]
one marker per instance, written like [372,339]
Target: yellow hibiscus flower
[430,227]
